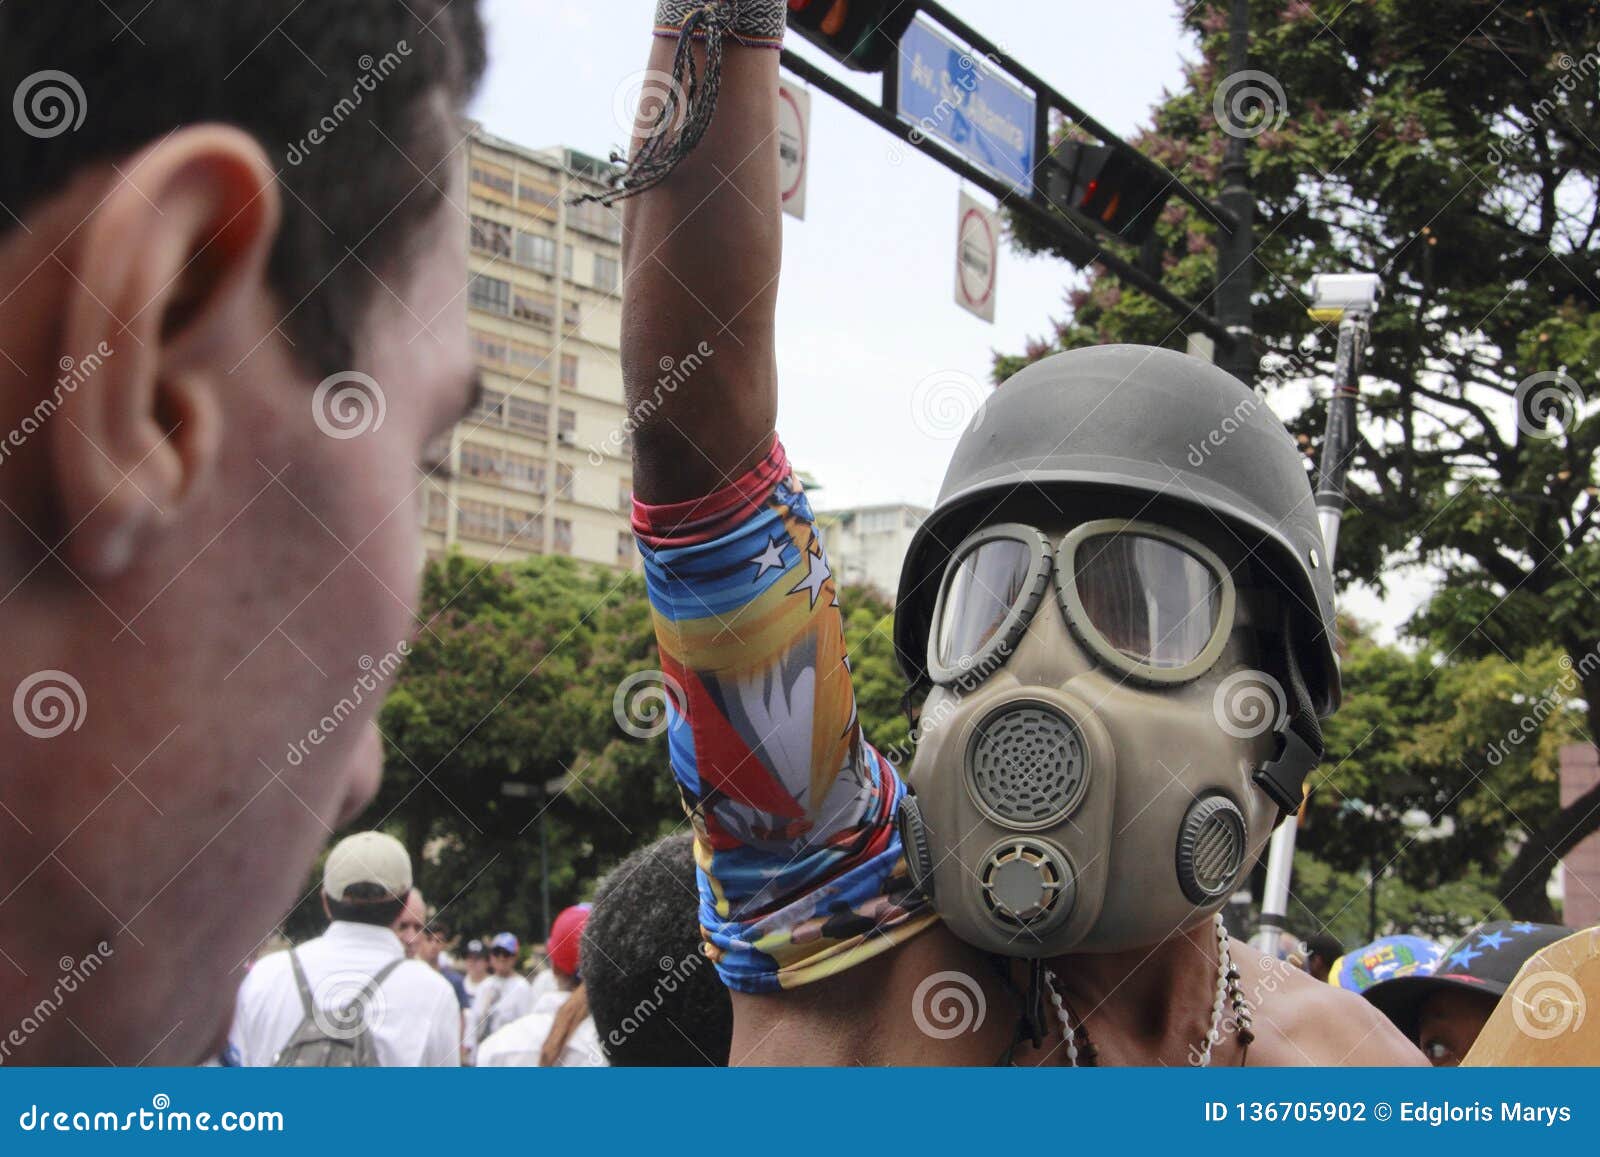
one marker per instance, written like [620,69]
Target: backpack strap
[370,989]
[302,984]
[481,1028]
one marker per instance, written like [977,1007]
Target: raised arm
[802,874]
[701,253]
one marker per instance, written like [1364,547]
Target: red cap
[565,933]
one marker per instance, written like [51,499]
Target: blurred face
[477,968]
[232,661]
[501,961]
[410,926]
[1449,1022]
[429,945]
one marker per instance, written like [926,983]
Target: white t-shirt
[414,1020]
[518,1044]
[498,1001]
[541,985]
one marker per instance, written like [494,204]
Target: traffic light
[860,34]
[1109,185]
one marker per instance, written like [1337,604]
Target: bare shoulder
[1303,1021]
[929,1001]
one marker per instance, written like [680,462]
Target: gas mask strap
[1300,744]
[906,708]
[1031,1020]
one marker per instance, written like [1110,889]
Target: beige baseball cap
[367,858]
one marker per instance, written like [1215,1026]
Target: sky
[878,367]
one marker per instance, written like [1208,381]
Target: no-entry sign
[977,258]
[794,140]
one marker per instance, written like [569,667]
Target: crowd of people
[619,981]
[623,980]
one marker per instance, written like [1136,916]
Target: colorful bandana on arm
[801,868]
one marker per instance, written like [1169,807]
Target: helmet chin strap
[1300,744]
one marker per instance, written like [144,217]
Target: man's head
[566,932]
[1123,612]
[434,940]
[655,999]
[1448,1023]
[412,926]
[367,880]
[475,960]
[1322,949]
[503,951]
[1443,1007]
[208,212]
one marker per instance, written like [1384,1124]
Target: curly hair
[655,998]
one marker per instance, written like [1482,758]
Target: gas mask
[1102,754]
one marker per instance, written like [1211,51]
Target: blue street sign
[953,95]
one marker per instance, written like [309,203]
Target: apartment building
[542,465]
[867,544]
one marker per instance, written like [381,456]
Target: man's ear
[164,273]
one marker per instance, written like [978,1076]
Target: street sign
[977,257]
[951,94]
[794,143]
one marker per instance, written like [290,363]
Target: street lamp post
[546,792]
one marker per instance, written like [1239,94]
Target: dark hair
[367,904]
[655,998]
[360,75]
[1325,945]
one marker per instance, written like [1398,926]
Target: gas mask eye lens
[1150,602]
[990,592]
[1153,601]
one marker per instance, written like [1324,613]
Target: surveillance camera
[1345,292]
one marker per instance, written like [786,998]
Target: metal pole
[1337,441]
[1234,257]
[1372,898]
[544,881]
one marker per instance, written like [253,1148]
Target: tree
[511,679]
[1431,772]
[1450,147]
